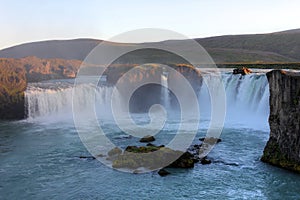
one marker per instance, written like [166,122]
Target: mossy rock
[152,157]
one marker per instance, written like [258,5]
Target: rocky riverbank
[283,147]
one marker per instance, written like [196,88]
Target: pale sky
[37,20]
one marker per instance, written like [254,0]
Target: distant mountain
[257,48]
[283,44]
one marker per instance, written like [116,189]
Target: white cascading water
[165,92]
[56,99]
[246,98]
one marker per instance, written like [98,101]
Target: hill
[258,48]
[285,44]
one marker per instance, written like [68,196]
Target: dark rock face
[283,147]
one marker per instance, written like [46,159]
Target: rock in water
[153,157]
[87,157]
[283,147]
[205,161]
[211,140]
[186,160]
[163,172]
[148,138]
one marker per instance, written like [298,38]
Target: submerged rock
[148,138]
[87,157]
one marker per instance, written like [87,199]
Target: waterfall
[247,98]
[56,99]
[165,91]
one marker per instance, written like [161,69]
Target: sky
[36,20]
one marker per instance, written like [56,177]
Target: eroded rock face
[283,147]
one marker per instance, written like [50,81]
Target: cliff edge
[283,147]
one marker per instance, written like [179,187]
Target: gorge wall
[283,147]
[16,73]
[12,86]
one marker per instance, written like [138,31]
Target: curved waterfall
[246,97]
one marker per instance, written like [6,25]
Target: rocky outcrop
[152,157]
[283,147]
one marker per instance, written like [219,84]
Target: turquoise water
[41,161]
[39,157]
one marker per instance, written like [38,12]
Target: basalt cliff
[283,147]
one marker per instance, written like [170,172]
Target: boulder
[148,138]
